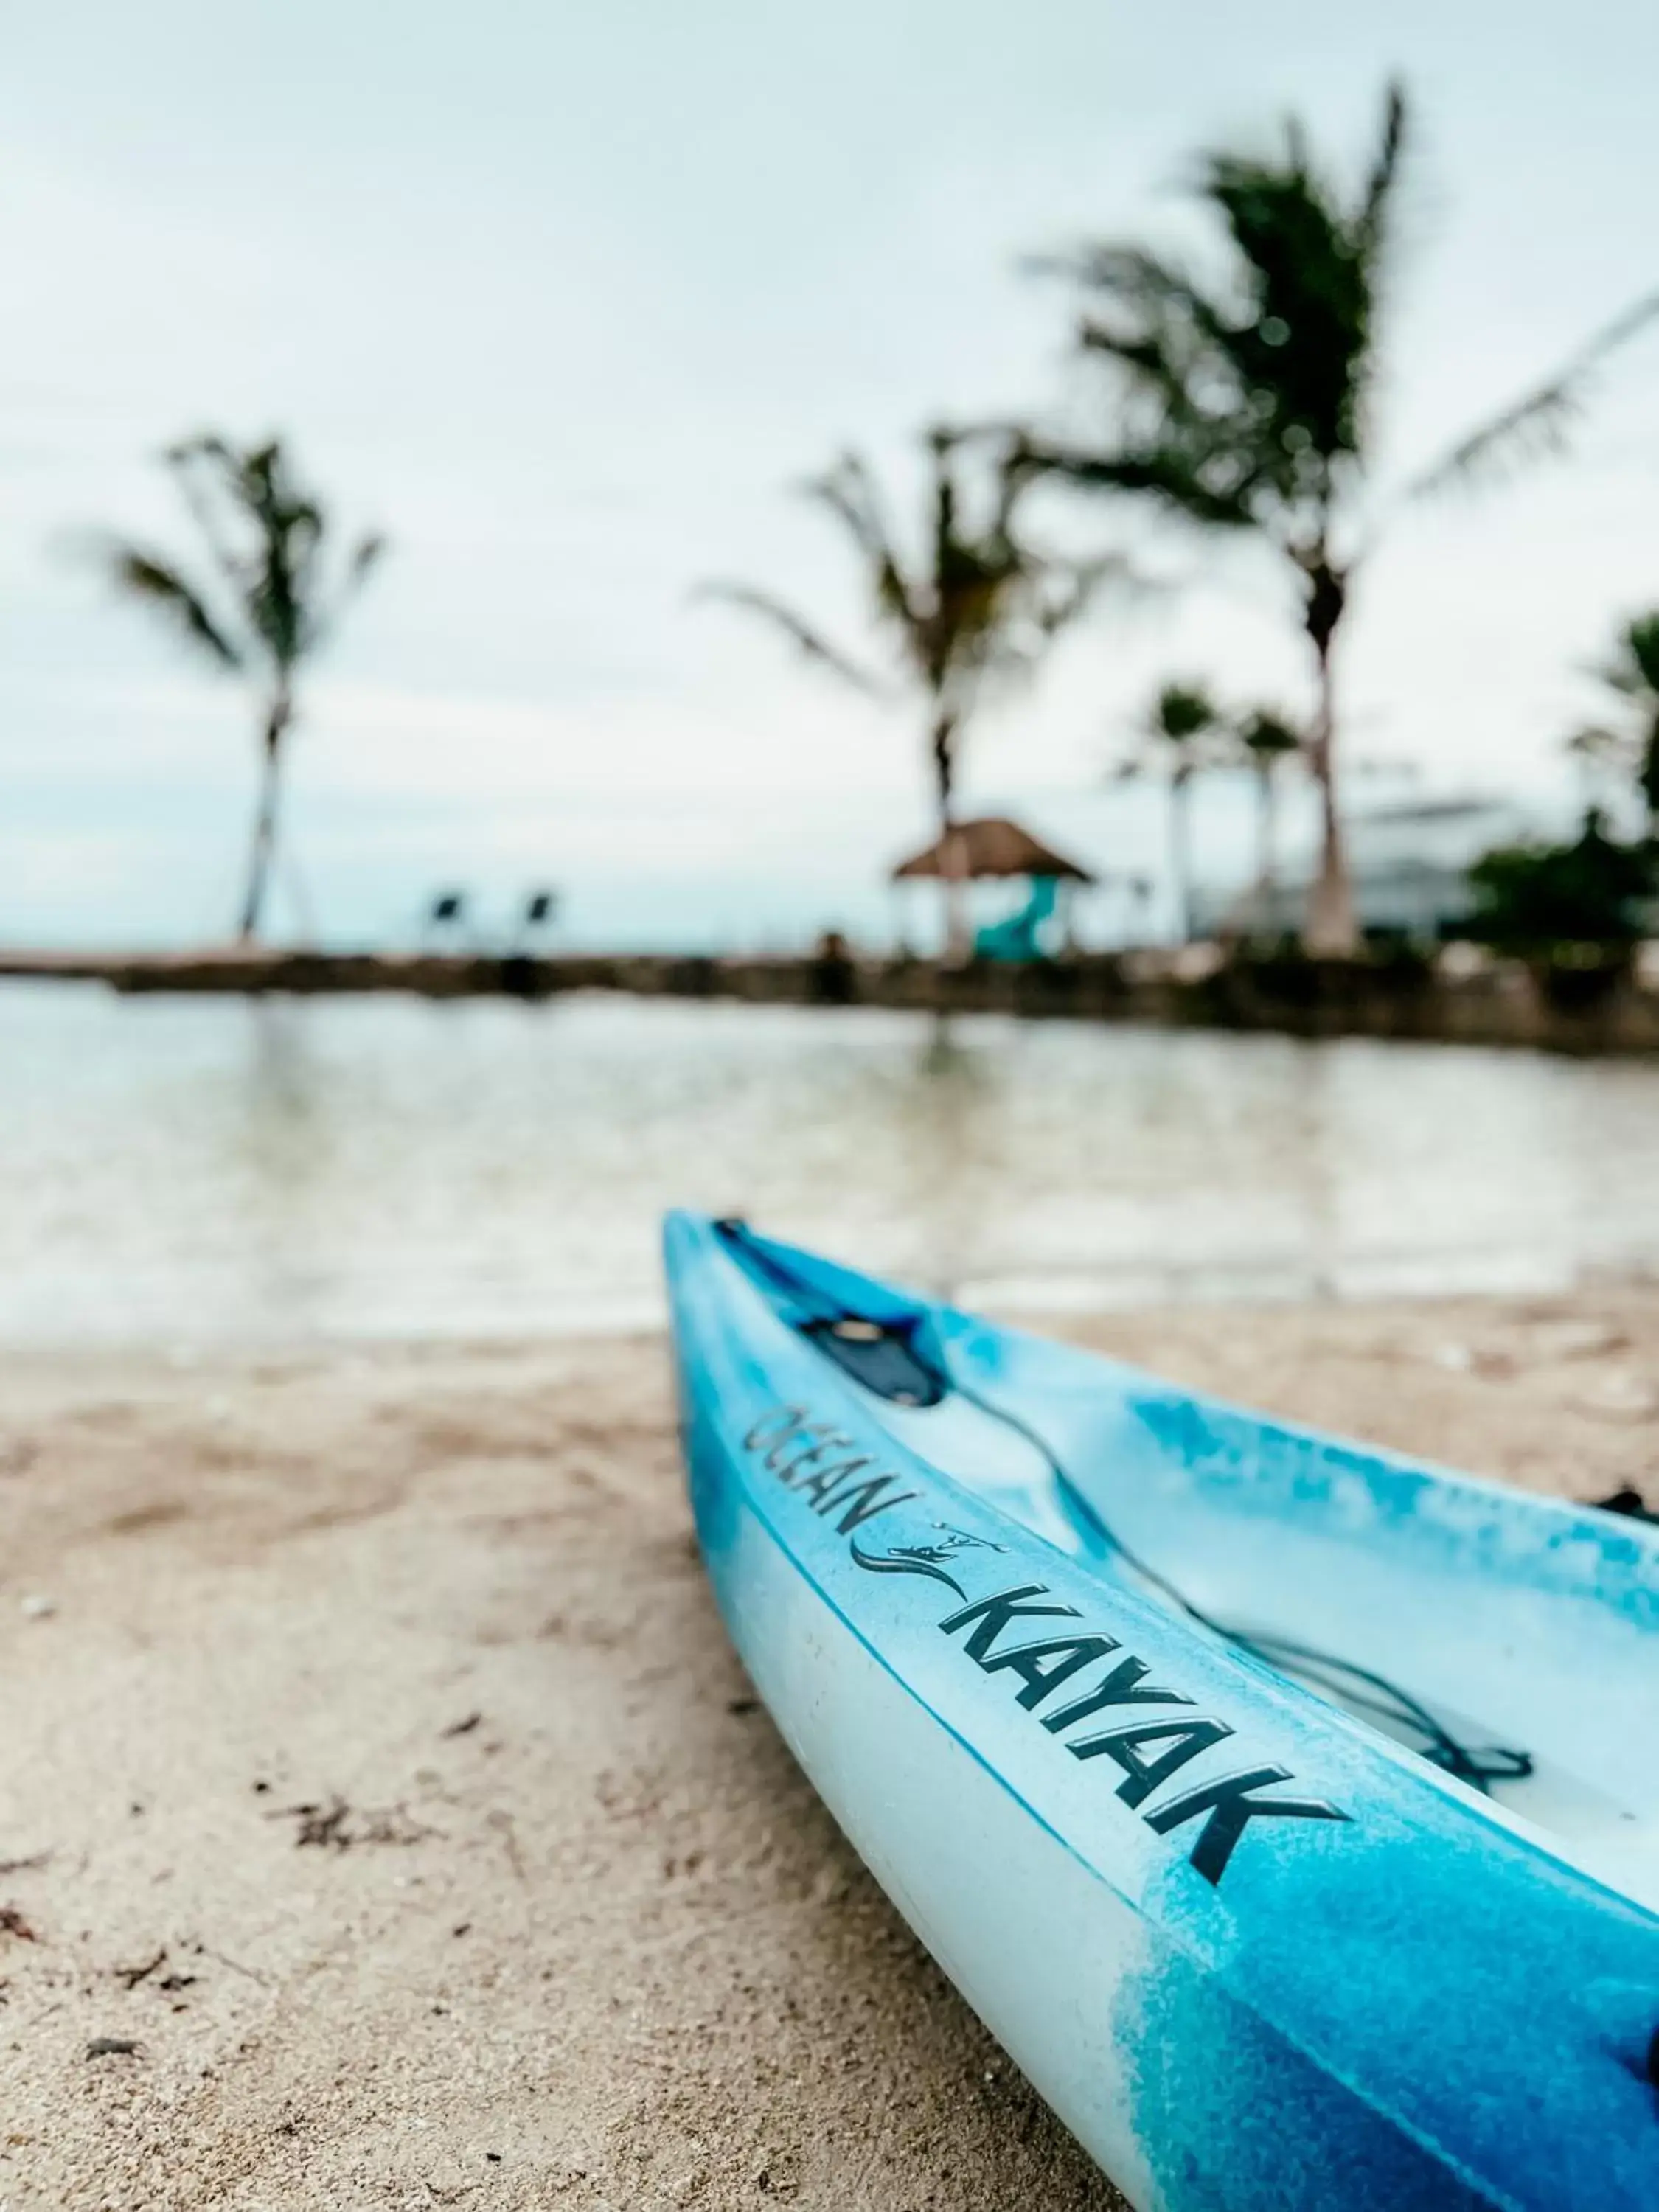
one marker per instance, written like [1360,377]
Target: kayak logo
[1149,1732]
[928,1559]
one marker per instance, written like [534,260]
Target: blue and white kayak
[1288,1810]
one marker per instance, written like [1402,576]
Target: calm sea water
[185,1169]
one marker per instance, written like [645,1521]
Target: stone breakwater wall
[1583,1004]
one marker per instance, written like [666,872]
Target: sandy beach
[385,1820]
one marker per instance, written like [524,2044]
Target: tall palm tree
[1631,673]
[267,603]
[1247,400]
[1266,740]
[1182,734]
[978,606]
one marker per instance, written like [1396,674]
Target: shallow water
[184,1169]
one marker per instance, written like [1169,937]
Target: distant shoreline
[1569,1005]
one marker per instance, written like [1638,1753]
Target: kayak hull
[1345,1983]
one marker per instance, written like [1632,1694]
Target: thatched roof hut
[990,847]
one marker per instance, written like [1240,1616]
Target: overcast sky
[564,297]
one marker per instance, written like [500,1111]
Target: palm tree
[1182,734]
[1247,402]
[978,607]
[269,606]
[1631,673]
[1266,740]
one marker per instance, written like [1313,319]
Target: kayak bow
[1288,1809]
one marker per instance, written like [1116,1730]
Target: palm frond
[977,607]
[320,616]
[1168,383]
[799,633]
[266,535]
[1632,668]
[145,577]
[1532,427]
[198,463]
[1079,584]
[1183,356]
[1181,731]
[1136,280]
[280,602]
[205,446]
[1256,374]
[1268,735]
[1630,747]
[1183,710]
[1302,353]
[1370,229]
[849,492]
[1175,477]
[366,554]
[1537,422]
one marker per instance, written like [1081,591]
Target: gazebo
[990,847]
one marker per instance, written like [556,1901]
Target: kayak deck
[1513,1635]
[1360,1621]
[1272,1930]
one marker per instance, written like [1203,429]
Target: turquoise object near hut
[1018,937]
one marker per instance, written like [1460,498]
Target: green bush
[1532,897]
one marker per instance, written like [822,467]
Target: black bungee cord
[852,1340]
